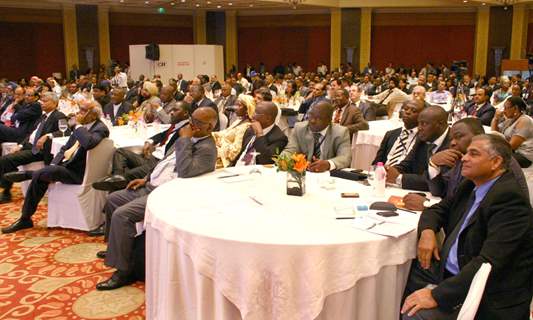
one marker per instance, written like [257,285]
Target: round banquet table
[240,248]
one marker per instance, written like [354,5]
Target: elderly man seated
[68,166]
[489,220]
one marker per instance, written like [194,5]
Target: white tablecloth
[288,258]
[122,136]
[365,143]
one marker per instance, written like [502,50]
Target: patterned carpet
[51,274]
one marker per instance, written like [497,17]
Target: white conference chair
[33,166]
[80,206]
[477,287]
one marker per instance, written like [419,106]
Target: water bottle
[380,180]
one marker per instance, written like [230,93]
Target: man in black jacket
[117,107]
[488,221]
[432,137]
[36,147]
[128,165]
[263,136]
[22,121]
[68,166]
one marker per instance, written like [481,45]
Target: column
[482,40]
[519,33]
[199,29]
[365,38]
[103,34]
[70,37]
[335,38]
[232,48]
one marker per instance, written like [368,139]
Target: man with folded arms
[36,147]
[263,136]
[489,220]
[195,154]
[326,144]
[68,166]
[128,165]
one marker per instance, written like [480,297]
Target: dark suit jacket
[194,159]
[158,138]
[369,113]
[26,115]
[308,103]
[182,85]
[485,113]
[50,126]
[499,232]
[414,166]
[125,107]
[103,101]
[386,145]
[352,119]
[88,139]
[268,145]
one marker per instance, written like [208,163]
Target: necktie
[69,153]
[169,131]
[400,150]
[248,155]
[316,146]
[337,117]
[38,133]
[430,148]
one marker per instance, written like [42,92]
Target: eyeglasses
[197,122]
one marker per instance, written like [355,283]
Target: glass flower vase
[295,183]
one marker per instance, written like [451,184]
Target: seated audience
[198,99]
[128,165]
[225,103]
[101,95]
[391,97]
[397,143]
[68,166]
[432,137]
[117,107]
[487,221]
[347,114]
[441,96]
[326,144]
[369,113]
[517,127]
[480,107]
[195,154]
[262,136]
[318,94]
[447,165]
[229,141]
[19,119]
[36,147]
[161,113]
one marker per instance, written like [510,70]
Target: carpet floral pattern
[52,273]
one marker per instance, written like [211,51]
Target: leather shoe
[5,197]
[18,176]
[111,183]
[20,224]
[117,280]
[101,254]
[96,232]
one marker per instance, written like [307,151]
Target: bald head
[204,120]
[432,123]
[265,113]
[167,93]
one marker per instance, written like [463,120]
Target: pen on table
[342,218]
[410,211]
[256,201]
[229,176]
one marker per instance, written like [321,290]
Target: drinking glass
[63,126]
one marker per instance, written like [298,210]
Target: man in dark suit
[317,95]
[263,136]
[128,165]
[22,121]
[368,111]
[481,107]
[117,107]
[347,114]
[36,147]
[432,137]
[225,100]
[397,143]
[101,94]
[195,154]
[181,84]
[199,99]
[488,221]
[68,166]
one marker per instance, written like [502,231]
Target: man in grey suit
[195,154]
[326,144]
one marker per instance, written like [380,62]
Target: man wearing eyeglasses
[195,154]
[21,122]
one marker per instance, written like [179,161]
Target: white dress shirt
[433,171]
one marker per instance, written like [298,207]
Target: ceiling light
[219,6]
[197,5]
[208,2]
[251,5]
[230,4]
[121,1]
[294,3]
[172,3]
[147,2]
[465,1]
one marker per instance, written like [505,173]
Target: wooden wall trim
[424,19]
[30,15]
[152,20]
[310,20]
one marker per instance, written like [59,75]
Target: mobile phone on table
[349,195]
[387,214]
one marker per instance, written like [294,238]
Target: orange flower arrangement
[296,162]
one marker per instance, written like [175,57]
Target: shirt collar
[180,124]
[48,114]
[411,131]
[89,125]
[438,142]
[482,190]
[117,105]
[195,140]
[268,129]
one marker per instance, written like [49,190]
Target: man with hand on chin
[326,144]
[489,220]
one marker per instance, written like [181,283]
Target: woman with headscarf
[229,141]
[517,127]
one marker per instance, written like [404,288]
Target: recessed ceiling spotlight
[208,2]
[197,5]
[182,1]
[251,4]
[121,1]
[230,4]
[219,6]
[172,3]
[147,2]
[483,4]
[465,1]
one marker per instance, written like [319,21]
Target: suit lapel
[327,144]
[310,142]
[345,114]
